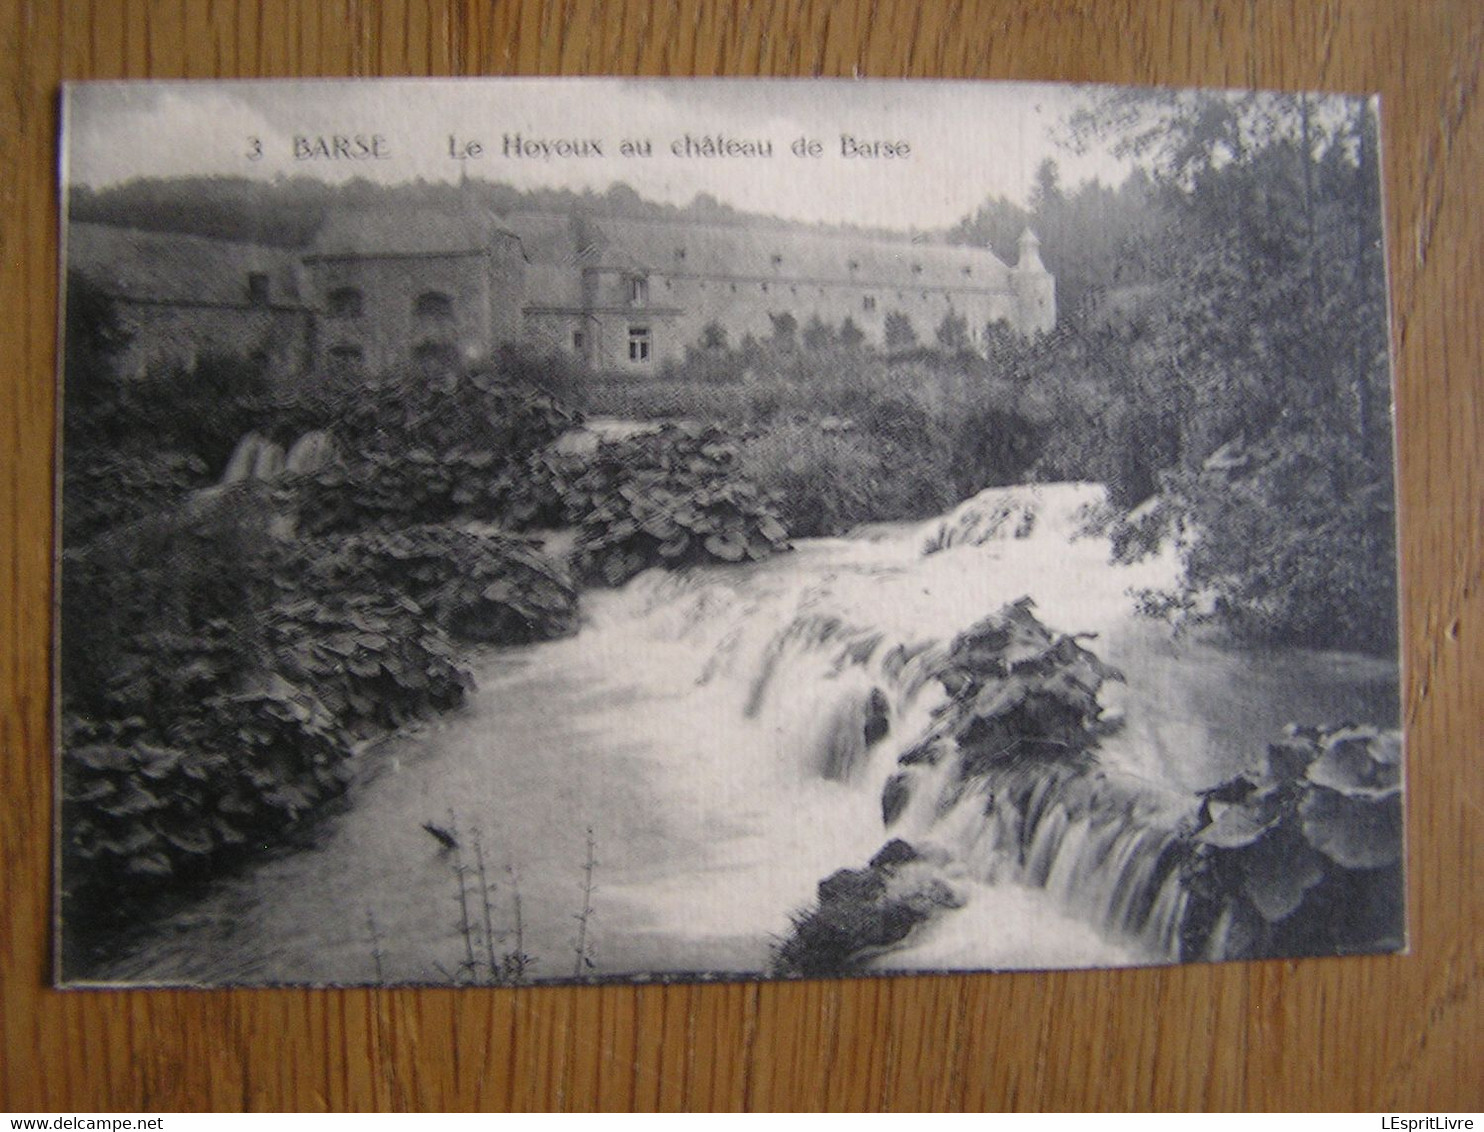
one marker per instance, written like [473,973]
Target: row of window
[639,292]
[347,356]
[430,306]
[853,265]
[639,343]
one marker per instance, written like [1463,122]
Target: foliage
[831,476]
[1020,695]
[372,659]
[131,446]
[672,497]
[1291,540]
[155,614]
[1236,402]
[142,808]
[1302,855]
[952,334]
[1018,689]
[420,451]
[483,586]
[106,487]
[842,435]
[250,663]
[898,331]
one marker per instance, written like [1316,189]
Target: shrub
[1301,856]
[414,451]
[162,611]
[106,487]
[479,586]
[1293,543]
[142,808]
[673,497]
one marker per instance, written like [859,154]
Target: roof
[386,232]
[170,267]
[755,252]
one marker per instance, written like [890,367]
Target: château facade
[380,290]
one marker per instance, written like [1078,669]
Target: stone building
[178,297]
[380,290]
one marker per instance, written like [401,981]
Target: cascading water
[728,736]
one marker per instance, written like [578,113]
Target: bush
[106,487]
[1293,543]
[670,498]
[1301,856]
[479,586]
[142,809]
[160,612]
[416,452]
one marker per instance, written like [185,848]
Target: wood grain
[1403,1033]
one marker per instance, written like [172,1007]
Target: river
[654,797]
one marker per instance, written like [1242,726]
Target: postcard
[549,530]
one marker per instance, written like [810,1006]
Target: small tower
[1034,288]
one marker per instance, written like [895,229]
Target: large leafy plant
[673,497]
[419,451]
[1302,855]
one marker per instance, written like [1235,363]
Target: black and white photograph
[522,531]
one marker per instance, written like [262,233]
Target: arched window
[434,306]
[345,302]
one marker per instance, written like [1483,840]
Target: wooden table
[1373,1033]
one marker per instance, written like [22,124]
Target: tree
[817,336]
[851,335]
[94,338]
[713,336]
[898,331]
[785,329]
[1265,361]
[953,333]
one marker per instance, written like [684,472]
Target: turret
[1034,287]
[1030,253]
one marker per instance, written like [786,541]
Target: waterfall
[823,663]
[256,457]
[733,736]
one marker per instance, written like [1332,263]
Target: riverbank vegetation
[227,648]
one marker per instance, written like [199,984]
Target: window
[638,343]
[777,261]
[345,359]
[345,302]
[257,288]
[868,303]
[578,341]
[638,290]
[434,358]
[434,306]
[765,288]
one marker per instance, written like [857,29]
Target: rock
[894,797]
[895,852]
[862,912]
[878,716]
